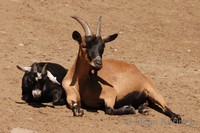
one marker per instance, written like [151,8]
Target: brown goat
[118,85]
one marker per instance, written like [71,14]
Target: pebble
[29,118]
[2,32]
[120,33]
[17,1]
[22,130]
[21,45]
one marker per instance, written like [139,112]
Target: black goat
[42,83]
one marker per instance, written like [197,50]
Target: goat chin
[37,93]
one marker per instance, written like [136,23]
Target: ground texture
[161,37]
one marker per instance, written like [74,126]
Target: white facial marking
[39,75]
[36,93]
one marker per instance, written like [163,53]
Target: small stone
[21,45]
[29,118]
[18,1]
[21,130]
[2,32]
[120,32]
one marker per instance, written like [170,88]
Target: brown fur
[117,84]
[122,79]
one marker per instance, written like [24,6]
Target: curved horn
[44,69]
[84,25]
[34,67]
[99,27]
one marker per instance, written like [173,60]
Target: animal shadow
[36,104]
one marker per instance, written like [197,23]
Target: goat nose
[99,62]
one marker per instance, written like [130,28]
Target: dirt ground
[162,37]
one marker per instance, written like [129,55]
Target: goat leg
[143,108]
[73,100]
[127,109]
[157,99]
[77,110]
[57,98]
[174,117]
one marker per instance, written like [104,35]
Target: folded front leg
[74,101]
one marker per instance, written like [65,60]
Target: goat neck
[80,69]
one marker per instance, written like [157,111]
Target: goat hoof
[144,111]
[176,119]
[78,112]
[108,111]
[130,110]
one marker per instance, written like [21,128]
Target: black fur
[52,92]
[95,48]
[127,109]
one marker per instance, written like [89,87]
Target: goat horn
[84,25]
[44,68]
[34,67]
[99,27]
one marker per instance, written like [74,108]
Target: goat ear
[24,69]
[110,38]
[52,78]
[77,36]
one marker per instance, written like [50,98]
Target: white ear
[52,78]
[24,69]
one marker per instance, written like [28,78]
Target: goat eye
[32,76]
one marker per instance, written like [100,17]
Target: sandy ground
[162,37]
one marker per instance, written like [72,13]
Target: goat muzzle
[36,93]
[97,63]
